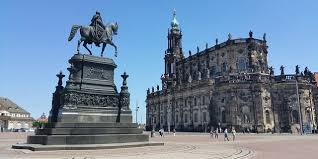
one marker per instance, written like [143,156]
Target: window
[177,118]
[185,118]
[246,118]
[295,117]
[308,116]
[195,117]
[268,120]
[204,117]
[172,68]
[213,70]
[241,64]
[203,100]
[223,116]
[223,69]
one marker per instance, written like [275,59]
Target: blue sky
[34,46]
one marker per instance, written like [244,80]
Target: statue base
[89,110]
[87,133]
[38,147]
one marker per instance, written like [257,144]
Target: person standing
[174,132]
[233,133]
[216,133]
[152,133]
[226,135]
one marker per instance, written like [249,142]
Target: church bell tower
[174,52]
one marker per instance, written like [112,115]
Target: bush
[39,124]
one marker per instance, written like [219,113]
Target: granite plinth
[38,147]
[87,133]
[86,139]
[89,129]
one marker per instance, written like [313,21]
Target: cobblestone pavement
[185,146]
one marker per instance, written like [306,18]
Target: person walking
[233,133]
[216,133]
[211,133]
[226,135]
[174,132]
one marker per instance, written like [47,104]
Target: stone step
[39,147]
[86,131]
[86,139]
[91,125]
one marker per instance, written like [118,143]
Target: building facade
[229,85]
[13,117]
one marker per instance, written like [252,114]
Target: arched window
[223,67]
[308,117]
[177,119]
[246,118]
[295,117]
[267,115]
[241,65]
[203,100]
[195,117]
[223,116]
[185,118]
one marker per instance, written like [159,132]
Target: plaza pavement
[184,146]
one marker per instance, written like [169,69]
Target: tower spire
[174,22]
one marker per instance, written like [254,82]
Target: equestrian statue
[96,33]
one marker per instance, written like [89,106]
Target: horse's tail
[73,31]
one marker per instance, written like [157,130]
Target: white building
[13,117]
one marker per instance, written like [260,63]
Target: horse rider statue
[97,24]
[96,33]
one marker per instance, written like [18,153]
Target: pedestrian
[152,133]
[211,133]
[233,133]
[174,132]
[226,135]
[160,132]
[216,133]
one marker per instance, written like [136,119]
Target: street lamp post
[137,108]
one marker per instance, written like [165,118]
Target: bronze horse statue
[89,36]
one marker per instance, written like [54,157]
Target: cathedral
[229,85]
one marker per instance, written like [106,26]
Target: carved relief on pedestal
[124,100]
[73,98]
[98,73]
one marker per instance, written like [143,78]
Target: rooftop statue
[297,70]
[282,70]
[250,34]
[96,33]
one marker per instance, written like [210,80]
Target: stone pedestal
[90,95]
[89,110]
